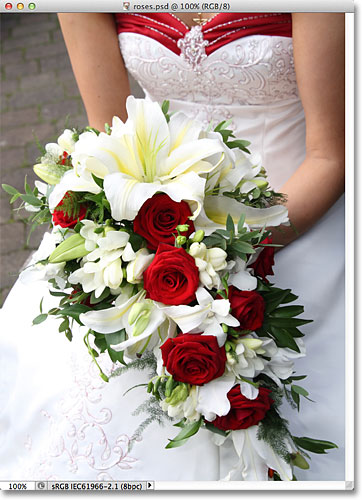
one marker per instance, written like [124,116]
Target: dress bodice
[250,69]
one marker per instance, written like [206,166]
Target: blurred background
[39,98]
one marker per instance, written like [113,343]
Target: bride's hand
[318,41]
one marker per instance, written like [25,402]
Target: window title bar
[15,7]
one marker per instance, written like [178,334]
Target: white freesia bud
[253,344]
[113,274]
[208,262]
[198,250]
[217,258]
[66,141]
[137,266]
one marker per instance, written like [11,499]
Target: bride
[280,78]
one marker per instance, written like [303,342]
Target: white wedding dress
[59,420]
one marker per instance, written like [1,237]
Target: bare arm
[318,41]
[98,66]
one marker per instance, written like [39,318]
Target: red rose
[158,218]
[263,266]
[247,307]
[66,219]
[244,412]
[193,358]
[172,278]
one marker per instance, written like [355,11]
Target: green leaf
[239,144]
[74,311]
[274,298]
[39,319]
[31,199]
[116,337]
[299,390]
[58,294]
[64,325]
[15,197]
[296,399]
[214,429]
[165,107]
[9,189]
[100,342]
[176,444]
[287,322]
[105,294]
[314,445]
[181,423]
[287,311]
[283,338]
[27,188]
[243,247]
[98,181]
[230,225]
[116,356]
[188,431]
[136,241]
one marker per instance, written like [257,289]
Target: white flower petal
[190,154]
[183,130]
[270,458]
[253,467]
[217,209]
[152,134]
[126,195]
[136,267]
[71,182]
[186,317]
[213,397]
[248,390]
[109,320]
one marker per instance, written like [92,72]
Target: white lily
[281,364]
[207,317]
[117,317]
[146,155]
[212,398]
[256,457]
[216,209]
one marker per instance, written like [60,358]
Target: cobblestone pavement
[39,97]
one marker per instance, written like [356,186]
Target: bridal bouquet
[160,248]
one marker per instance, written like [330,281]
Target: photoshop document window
[177,245]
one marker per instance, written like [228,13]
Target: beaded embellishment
[192,47]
